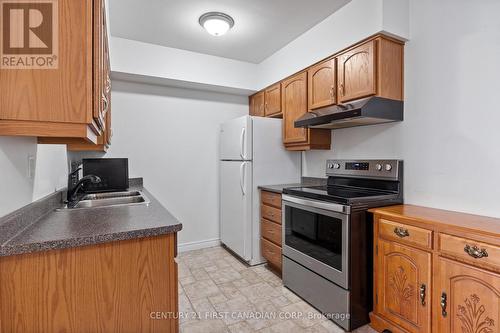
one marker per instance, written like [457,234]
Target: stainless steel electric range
[328,236]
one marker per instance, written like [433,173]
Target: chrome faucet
[72,194]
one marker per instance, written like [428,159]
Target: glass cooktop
[341,194]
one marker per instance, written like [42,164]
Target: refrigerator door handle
[242,143]
[242,178]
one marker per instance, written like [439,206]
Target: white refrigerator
[251,154]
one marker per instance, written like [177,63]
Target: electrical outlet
[31,167]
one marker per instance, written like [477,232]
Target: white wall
[48,174]
[449,139]
[355,21]
[144,59]
[51,172]
[170,136]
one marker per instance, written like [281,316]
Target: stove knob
[388,167]
[330,166]
[336,166]
[378,167]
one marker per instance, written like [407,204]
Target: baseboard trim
[198,245]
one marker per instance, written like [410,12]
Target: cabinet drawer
[271,252]
[271,213]
[403,233]
[469,250]
[271,199]
[271,231]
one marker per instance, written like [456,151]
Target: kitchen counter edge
[444,221]
[25,241]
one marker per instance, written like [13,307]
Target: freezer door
[236,207]
[236,139]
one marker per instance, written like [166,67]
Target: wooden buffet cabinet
[70,104]
[123,286]
[270,212]
[435,271]
[372,67]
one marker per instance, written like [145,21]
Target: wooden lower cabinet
[270,229]
[403,282]
[125,286]
[467,299]
[272,253]
[435,271]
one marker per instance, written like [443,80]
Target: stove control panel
[385,169]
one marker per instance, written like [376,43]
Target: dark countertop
[71,228]
[278,188]
[305,181]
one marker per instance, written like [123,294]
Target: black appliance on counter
[113,173]
[328,236]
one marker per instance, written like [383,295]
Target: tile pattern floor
[219,294]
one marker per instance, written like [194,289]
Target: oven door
[315,235]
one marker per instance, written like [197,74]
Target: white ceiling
[261,26]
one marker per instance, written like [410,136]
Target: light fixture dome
[216,23]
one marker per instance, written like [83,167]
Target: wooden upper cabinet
[322,84]
[372,68]
[357,72]
[257,104]
[403,284]
[101,86]
[294,106]
[66,103]
[467,299]
[273,100]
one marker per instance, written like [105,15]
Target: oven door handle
[330,206]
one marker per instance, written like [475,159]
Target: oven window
[316,235]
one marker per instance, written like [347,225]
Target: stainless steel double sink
[111,199]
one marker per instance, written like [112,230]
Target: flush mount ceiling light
[216,23]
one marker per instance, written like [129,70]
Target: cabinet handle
[475,252]
[105,100]
[342,89]
[444,303]
[401,232]
[422,294]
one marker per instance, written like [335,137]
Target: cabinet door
[105,76]
[273,100]
[294,106]
[98,66]
[109,131]
[257,105]
[467,299]
[403,284]
[62,95]
[357,72]
[322,85]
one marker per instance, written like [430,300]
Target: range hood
[366,111]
